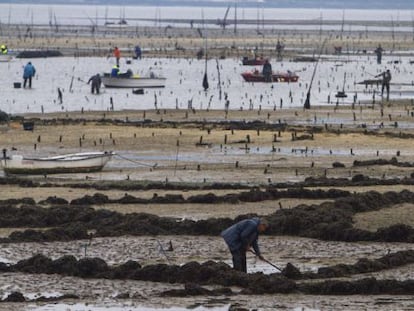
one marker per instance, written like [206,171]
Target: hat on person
[264,221]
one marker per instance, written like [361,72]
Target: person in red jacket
[117,55]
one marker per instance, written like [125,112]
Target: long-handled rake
[267,261]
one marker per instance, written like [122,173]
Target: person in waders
[386,79]
[242,236]
[267,71]
[28,73]
[96,83]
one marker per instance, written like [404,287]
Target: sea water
[183,89]
[98,15]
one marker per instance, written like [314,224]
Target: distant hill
[337,4]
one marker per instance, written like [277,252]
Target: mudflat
[335,183]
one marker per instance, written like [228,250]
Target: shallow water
[184,84]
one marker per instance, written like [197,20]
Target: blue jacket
[138,51]
[115,71]
[29,71]
[242,234]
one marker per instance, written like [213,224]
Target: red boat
[257,61]
[257,76]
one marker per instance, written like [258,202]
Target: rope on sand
[136,162]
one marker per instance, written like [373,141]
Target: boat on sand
[83,162]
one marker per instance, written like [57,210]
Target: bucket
[138,91]
[17,85]
[28,126]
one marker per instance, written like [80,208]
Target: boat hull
[276,77]
[5,58]
[133,82]
[71,163]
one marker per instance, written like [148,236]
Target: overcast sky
[342,4]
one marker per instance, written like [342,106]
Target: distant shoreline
[185,42]
[297,4]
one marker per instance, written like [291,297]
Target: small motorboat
[257,76]
[256,61]
[5,58]
[83,162]
[133,81]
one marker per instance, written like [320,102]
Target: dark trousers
[239,260]
[25,81]
[94,88]
[386,86]
[268,77]
[379,57]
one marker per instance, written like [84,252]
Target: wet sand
[254,156]
[306,254]
[217,166]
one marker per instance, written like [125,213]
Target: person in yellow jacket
[3,49]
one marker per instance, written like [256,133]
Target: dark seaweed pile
[39,54]
[332,220]
[194,274]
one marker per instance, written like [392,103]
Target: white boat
[83,162]
[5,58]
[134,81]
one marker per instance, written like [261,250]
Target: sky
[342,4]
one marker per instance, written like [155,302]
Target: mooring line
[136,162]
